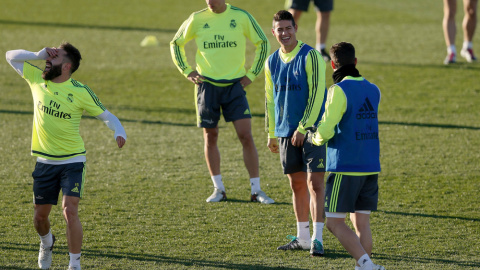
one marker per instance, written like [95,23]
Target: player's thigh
[291,157]
[73,179]
[46,183]
[368,196]
[314,156]
[341,192]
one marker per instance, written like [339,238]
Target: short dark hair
[283,15]
[73,54]
[342,54]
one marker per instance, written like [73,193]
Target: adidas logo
[247,111]
[75,189]
[321,163]
[206,26]
[366,111]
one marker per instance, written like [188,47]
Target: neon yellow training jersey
[221,42]
[57,111]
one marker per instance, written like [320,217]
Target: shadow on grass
[388,257]
[88,26]
[188,111]
[430,216]
[144,257]
[440,65]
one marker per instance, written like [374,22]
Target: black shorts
[231,99]
[309,158]
[49,179]
[322,5]
[347,193]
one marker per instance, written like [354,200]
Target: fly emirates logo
[53,109]
[219,42]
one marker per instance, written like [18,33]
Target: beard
[54,72]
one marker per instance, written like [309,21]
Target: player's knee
[70,213]
[39,218]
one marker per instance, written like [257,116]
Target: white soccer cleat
[468,55]
[261,197]
[76,267]
[377,267]
[45,255]
[295,244]
[217,196]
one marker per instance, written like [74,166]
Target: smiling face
[54,65]
[286,34]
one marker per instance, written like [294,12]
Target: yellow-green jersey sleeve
[269,103]
[315,69]
[256,35]
[177,46]
[335,107]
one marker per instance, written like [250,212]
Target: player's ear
[67,66]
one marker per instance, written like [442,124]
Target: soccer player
[449,29]
[350,125]
[323,9]
[59,102]
[220,32]
[294,92]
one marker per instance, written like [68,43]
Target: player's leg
[212,153]
[317,197]
[469,24]
[72,182]
[46,189]
[296,8]
[243,127]
[361,223]
[345,235]
[449,29]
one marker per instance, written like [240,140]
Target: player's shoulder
[80,87]
[240,12]
[198,13]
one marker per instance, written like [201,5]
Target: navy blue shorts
[309,158]
[231,99]
[347,193]
[322,5]
[49,179]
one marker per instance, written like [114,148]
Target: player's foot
[378,267]
[370,266]
[468,55]
[295,244]
[325,55]
[217,196]
[45,255]
[261,197]
[316,248]
[74,267]
[450,59]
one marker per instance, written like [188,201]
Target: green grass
[144,205]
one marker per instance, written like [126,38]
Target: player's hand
[245,81]
[273,145]
[52,52]
[120,141]
[195,77]
[297,139]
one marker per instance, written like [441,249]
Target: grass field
[144,206]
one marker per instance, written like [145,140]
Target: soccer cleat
[316,248]
[295,244]
[72,267]
[377,267]
[450,59]
[325,56]
[468,55]
[261,197]
[217,196]
[45,255]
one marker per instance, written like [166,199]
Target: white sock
[320,46]
[255,184]
[74,259]
[451,49]
[318,231]
[217,182]
[365,262]
[357,268]
[303,230]
[47,240]
[467,45]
